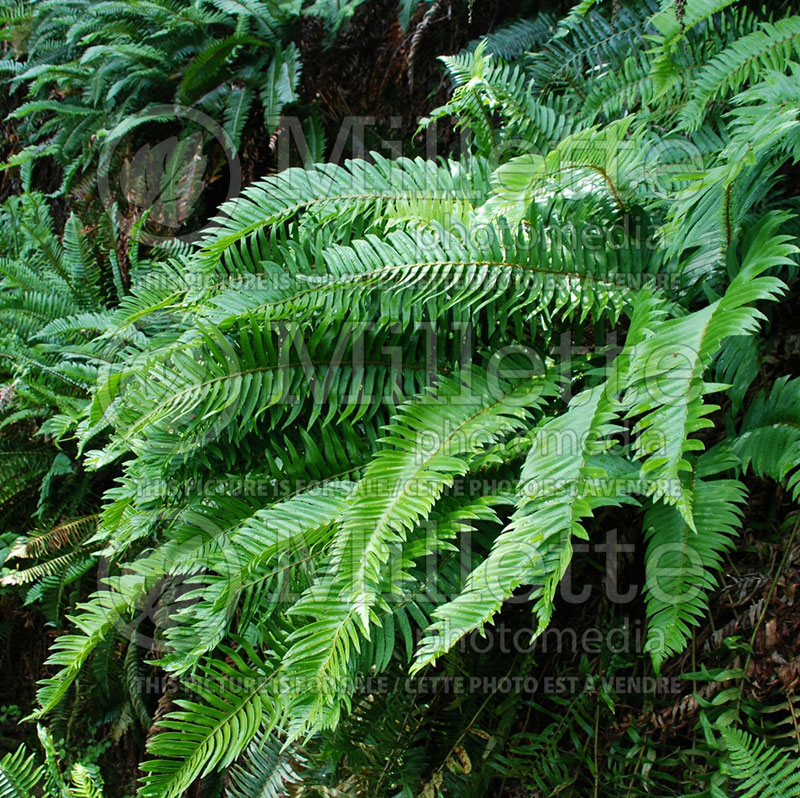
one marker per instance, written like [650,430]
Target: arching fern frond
[211,732]
[328,191]
[536,547]
[774,46]
[513,39]
[428,444]
[667,388]
[259,554]
[65,534]
[429,438]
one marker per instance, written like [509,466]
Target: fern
[772,47]
[536,547]
[196,738]
[763,771]
[267,770]
[679,560]
[769,436]
[18,774]
[678,354]
[513,39]
[373,417]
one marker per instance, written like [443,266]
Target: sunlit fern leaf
[589,161]
[763,771]
[216,391]
[52,567]
[19,774]
[221,386]
[196,531]
[102,613]
[85,782]
[50,592]
[438,273]
[495,101]
[429,438]
[706,220]
[569,471]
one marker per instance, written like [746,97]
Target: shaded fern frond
[769,438]
[772,47]
[681,562]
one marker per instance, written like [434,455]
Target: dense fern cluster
[110,63]
[341,440]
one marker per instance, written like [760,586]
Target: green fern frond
[20,471]
[56,565]
[199,737]
[430,437]
[266,770]
[84,783]
[672,32]
[590,41]
[19,774]
[514,38]
[53,775]
[666,391]
[102,613]
[259,554]
[769,438]
[536,547]
[764,772]
[774,46]
[328,191]
[680,561]
[591,160]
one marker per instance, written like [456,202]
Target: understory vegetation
[379,424]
